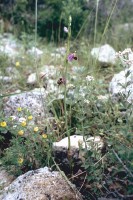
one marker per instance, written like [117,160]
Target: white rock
[78,140]
[123,28]
[35,52]
[55,55]
[34,101]
[9,45]
[40,184]
[61,50]
[104,54]
[6,79]
[116,88]
[32,79]
[50,71]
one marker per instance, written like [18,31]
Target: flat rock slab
[41,184]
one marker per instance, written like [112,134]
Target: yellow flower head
[23,123]
[19,109]
[21,132]
[20,160]
[3,124]
[17,64]
[44,135]
[30,117]
[36,129]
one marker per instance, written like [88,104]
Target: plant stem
[65,92]
[95,29]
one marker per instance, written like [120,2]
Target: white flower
[103,97]
[70,86]
[89,78]
[13,117]
[22,119]
[86,101]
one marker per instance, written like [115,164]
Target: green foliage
[29,146]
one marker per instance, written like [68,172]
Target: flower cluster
[126,57]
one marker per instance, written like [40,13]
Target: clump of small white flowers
[126,57]
[86,101]
[70,86]
[13,117]
[103,97]
[22,119]
[89,78]
[82,91]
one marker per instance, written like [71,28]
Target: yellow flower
[30,117]
[17,64]
[36,129]
[3,124]
[21,132]
[23,123]
[20,160]
[19,109]
[44,135]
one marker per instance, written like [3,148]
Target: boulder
[41,184]
[104,54]
[33,101]
[35,52]
[32,79]
[5,79]
[122,84]
[77,141]
[9,45]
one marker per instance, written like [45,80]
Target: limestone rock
[32,79]
[5,79]
[104,54]
[41,184]
[35,52]
[9,45]
[78,140]
[117,86]
[33,100]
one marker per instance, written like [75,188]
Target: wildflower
[103,97]
[72,57]
[21,119]
[17,64]
[86,101]
[44,135]
[89,78]
[65,29]
[13,117]
[23,123]
[21,132]
[70,86]
[20,160]
[30,117]
[19,109]
[36,129]
[3,124]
